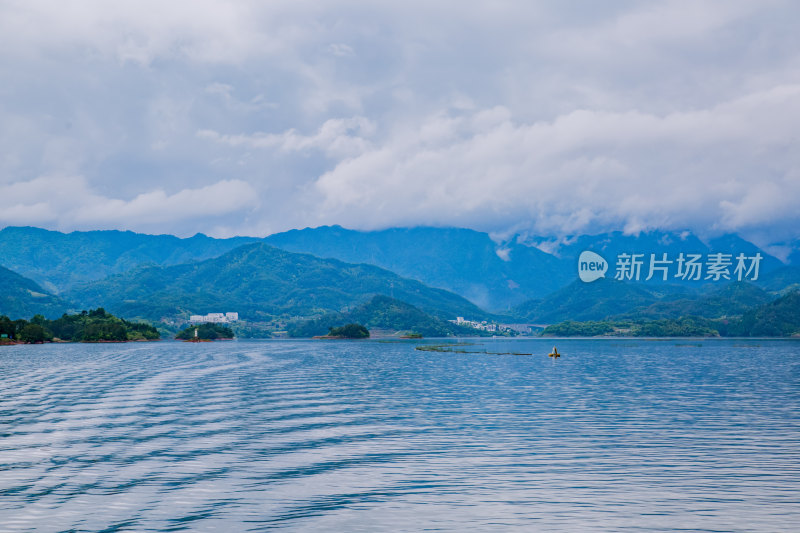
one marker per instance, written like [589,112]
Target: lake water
[364,436]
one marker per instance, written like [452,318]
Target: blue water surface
[616,435]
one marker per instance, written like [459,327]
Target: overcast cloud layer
[545,118]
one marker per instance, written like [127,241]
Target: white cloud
[336,138]
[582,172]
[504,253]
[69,201]
[506,116]
[340,49]
[146,30]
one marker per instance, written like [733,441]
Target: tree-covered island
[348,331]
[95,325]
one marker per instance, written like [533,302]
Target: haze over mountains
[493,275]
[442,271]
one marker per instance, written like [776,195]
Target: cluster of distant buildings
[484,325]
[521,329]
[214,318]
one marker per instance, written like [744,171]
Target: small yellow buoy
[554,353]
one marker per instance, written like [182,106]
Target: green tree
[7,327]
[34,333]
[105,332]
[350,331]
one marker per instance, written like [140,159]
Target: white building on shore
[484,325]
[214,318]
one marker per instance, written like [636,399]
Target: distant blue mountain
[616,300]
[21,297]
[610,245]
[498,275]
[495,275]
[586,301]
[59,261]
[794,255]
[262,283]
[726,301]
[656,298]
[782,279]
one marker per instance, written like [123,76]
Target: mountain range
[261,282]
[382,312]
[495,274]
[616,300]
[21,297]
[778,317]
[444,272]
[58,261]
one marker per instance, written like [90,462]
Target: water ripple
[365,436]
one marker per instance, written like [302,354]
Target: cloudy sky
[547,118]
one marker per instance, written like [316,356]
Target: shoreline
[454,339]
[59,341]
